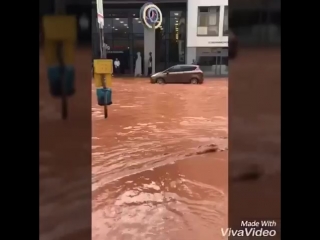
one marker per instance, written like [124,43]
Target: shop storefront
[124,34]
[207,36]
[213,61]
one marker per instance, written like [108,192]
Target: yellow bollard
[59,29]
[103,79]
[103,68]
[60,36]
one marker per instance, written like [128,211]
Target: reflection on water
[159,166]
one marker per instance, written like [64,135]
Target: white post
[100,18]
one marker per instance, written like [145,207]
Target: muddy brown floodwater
[159,163]
[154,174]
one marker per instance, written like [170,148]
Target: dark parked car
[179,74]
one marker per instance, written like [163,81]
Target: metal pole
[60,8]
[64,101]
[103,55]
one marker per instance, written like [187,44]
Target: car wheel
[160,81]
[194,81]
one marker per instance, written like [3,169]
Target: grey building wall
[191,54]
[149,46]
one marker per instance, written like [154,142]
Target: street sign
[100,13]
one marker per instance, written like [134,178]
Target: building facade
[207,35]
[191,31]
[126,35]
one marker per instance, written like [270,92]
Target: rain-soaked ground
[160,162]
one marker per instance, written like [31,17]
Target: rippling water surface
[155,174]
[159,168]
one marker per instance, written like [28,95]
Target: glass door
[224,66]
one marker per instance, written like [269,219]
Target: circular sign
[151,16]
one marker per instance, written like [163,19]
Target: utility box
[59,30]
[103,69]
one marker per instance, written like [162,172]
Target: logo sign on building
[106,46]
[150,16]
[100,13]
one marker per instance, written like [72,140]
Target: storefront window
[108,38]
[124,33]
[137,26]
[208,21]
[120,28]
[176,38]
[174,20]
[213,61]
[108,25]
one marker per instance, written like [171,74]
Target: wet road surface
[256,113]
[159,163]
[255,135]
[65,157]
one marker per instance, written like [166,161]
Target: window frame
[188,68]
[177,67]
[225,32]
[218,21]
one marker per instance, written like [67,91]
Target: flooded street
[159,165]
[154,176]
